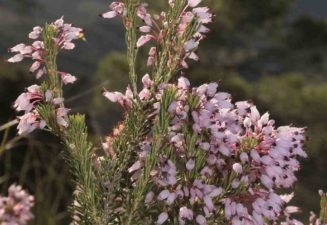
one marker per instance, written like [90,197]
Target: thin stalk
[131,38]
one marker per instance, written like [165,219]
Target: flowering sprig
[43,107]
[127,11]
[176,34]
[48,42]
[15,209]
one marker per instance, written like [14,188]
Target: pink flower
[191,45]
[152,56]
[29,99]
[162,218]
[117,9]
[212,89]
[35,34]
[67,78]
[203,14]
[126,101]
[29,122]
[143,40]
[208,202]
[163,195]
[18,48]
[144,15]
[145,94]
[201,220]
[185,213]
[146,81]
[16,58]
[149,197]
[193,56]
[190,164]
[35,66]
[113,96]
[183,83]
[145,29]
[61,116]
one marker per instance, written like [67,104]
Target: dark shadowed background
[273,52]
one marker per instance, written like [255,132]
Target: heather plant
[182,154]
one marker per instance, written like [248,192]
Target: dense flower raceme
[155,25]
[239,161]
[64,36]
[15,209]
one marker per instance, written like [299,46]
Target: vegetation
[257,54]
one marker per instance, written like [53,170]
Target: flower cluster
[227,158]
[29,101]
[190,29]
[154,29]
[15,209]
[48,42]
[126,100]
[63,37]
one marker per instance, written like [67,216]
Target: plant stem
[131,37]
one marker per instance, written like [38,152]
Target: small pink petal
[143,40]
[16,58]
[35,66]
[109,15]
[17,48]
[68,78]
[162,218]
[145,29]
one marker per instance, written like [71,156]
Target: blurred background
[273,52]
